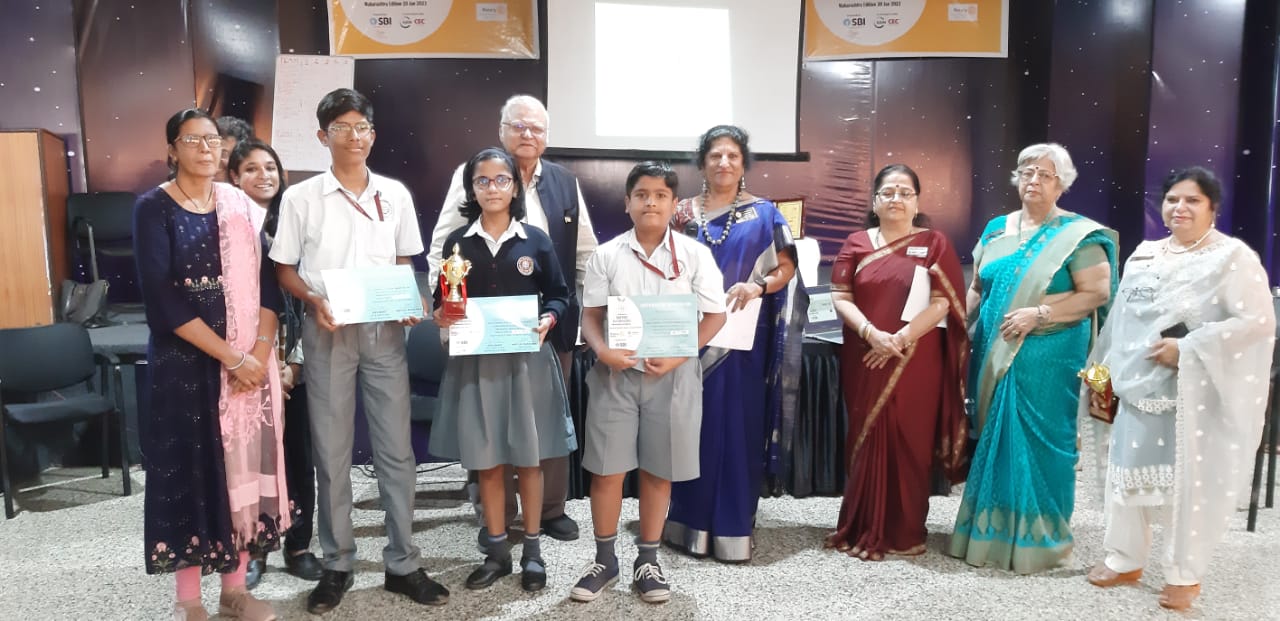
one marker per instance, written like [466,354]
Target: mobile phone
[1176,331]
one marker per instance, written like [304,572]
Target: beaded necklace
[1168,243]
[733,216]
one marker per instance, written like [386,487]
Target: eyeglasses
[338,130]
[536,131]
[889,194]
[1027,174]
[502,182]
[192,141]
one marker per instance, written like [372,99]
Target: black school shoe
[535,578]
[489,572]
[253,573]
[328,594]
[418,587]
[561,528]
[305,565]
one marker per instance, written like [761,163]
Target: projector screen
[654,74]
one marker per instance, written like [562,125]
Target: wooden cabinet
[33,226]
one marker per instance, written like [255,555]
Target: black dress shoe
[328,594]
[418,587]
[253,573]
[305,565]
[533,579]
[561,528]
[488,573]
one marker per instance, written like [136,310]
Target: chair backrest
[427,357]
[45,357]
[110,213]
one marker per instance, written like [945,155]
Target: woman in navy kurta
[189,521]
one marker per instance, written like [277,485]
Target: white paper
[808,255]
[739,331]
[918,297]
[821,308]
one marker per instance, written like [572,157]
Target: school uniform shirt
[320,228]
[522,261]
[616,269]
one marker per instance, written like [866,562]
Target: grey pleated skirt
[503,409]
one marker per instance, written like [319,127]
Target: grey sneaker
[595,579]
[651,584]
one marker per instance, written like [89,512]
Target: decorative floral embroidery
[164,559]
[204,284]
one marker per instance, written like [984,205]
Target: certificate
[368,294]
[654,326]
[918,297]
[496,325]
[739,331]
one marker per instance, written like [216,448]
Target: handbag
[82,302]
[1097,379]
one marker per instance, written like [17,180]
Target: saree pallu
[907,417]
[1020,495]
[743,420]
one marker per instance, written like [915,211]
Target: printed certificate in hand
[368,294]
[654,326]
[497,325]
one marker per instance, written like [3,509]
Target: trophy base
[454,310]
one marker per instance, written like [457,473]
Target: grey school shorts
[636,420]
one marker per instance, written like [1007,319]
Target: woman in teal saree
[1043,279]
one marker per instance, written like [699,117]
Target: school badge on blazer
[524,265]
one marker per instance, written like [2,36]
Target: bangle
[243,357]
[262,338]
[1042,314]
[864,330]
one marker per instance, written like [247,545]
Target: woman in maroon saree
[903,381]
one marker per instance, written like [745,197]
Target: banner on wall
[853,29]
[433,29]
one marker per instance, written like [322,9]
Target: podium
[33,226]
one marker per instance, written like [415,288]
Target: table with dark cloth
[821,425]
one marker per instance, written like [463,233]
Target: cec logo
[407,22]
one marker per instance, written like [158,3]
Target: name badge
[746,214]
[918,251]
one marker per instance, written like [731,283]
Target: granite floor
[75,552]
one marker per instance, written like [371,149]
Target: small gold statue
[453,275]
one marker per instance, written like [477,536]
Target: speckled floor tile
[76,553]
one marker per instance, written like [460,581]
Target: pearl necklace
[733,216]
[1169,249]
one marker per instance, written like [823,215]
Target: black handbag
[82,303]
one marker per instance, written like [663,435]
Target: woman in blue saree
[1043,280]
[742,395]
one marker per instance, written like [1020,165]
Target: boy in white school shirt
[343,218]
[643,413]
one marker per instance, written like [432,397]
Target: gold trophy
[453,281]
[1098,378]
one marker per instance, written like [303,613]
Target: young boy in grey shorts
[644,414]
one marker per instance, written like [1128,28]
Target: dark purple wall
[1078,73]
[38,88]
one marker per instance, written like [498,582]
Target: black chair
[427,358]
[102,221]
[54,358]
[1270,435]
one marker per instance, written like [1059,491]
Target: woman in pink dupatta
[211,438]
[903,381]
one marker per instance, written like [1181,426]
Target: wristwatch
[760,280]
